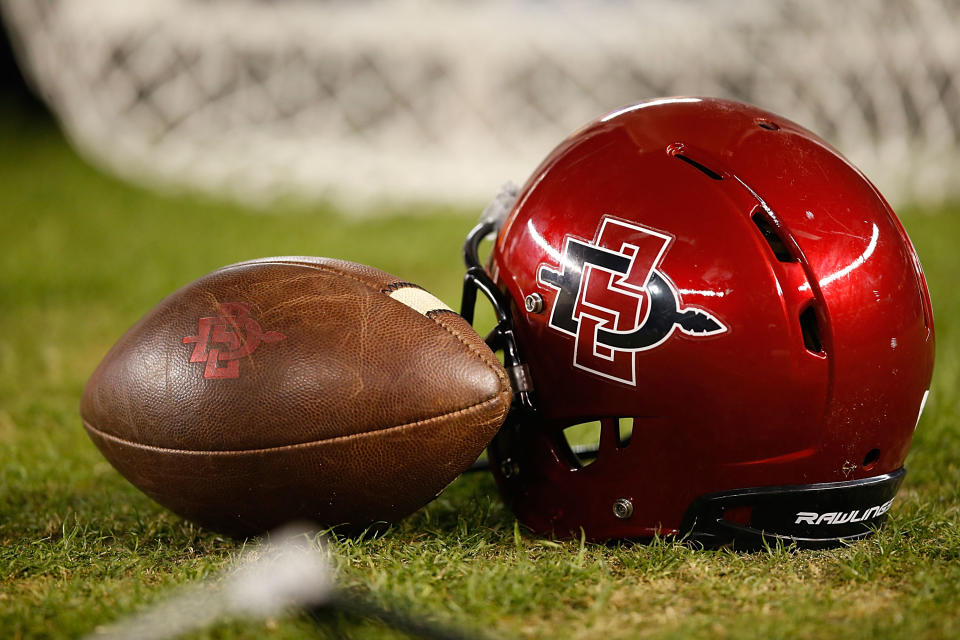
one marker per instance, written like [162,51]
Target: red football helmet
[724,282]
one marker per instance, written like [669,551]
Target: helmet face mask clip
[501,338]
[732,292]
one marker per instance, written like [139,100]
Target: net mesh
[439,100]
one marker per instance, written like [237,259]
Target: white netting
[445,100]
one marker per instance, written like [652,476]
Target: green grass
[82,256]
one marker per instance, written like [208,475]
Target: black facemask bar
[502,336]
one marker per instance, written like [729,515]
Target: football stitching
[495,365]
[390,288]
[393,286]
[288,447]
[312,265]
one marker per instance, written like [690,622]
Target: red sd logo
[234,328]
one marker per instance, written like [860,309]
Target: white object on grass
[290,573]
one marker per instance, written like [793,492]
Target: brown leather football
[295,388]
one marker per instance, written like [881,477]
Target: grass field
[82,256]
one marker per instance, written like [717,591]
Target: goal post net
[443,100]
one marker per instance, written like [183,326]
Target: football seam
[383,290]
[287,447]
[495,366]
[318,267]
[400,284]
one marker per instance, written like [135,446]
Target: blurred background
[365,102]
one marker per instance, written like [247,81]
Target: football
[295,388]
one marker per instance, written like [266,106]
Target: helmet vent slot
[581,441]
[810,329]
[625,432]
[770,234]
[584,443]
[870,460]
[710,173]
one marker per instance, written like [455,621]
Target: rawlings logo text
[843,517]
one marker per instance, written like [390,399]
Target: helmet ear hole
[581,443]
[625,432]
